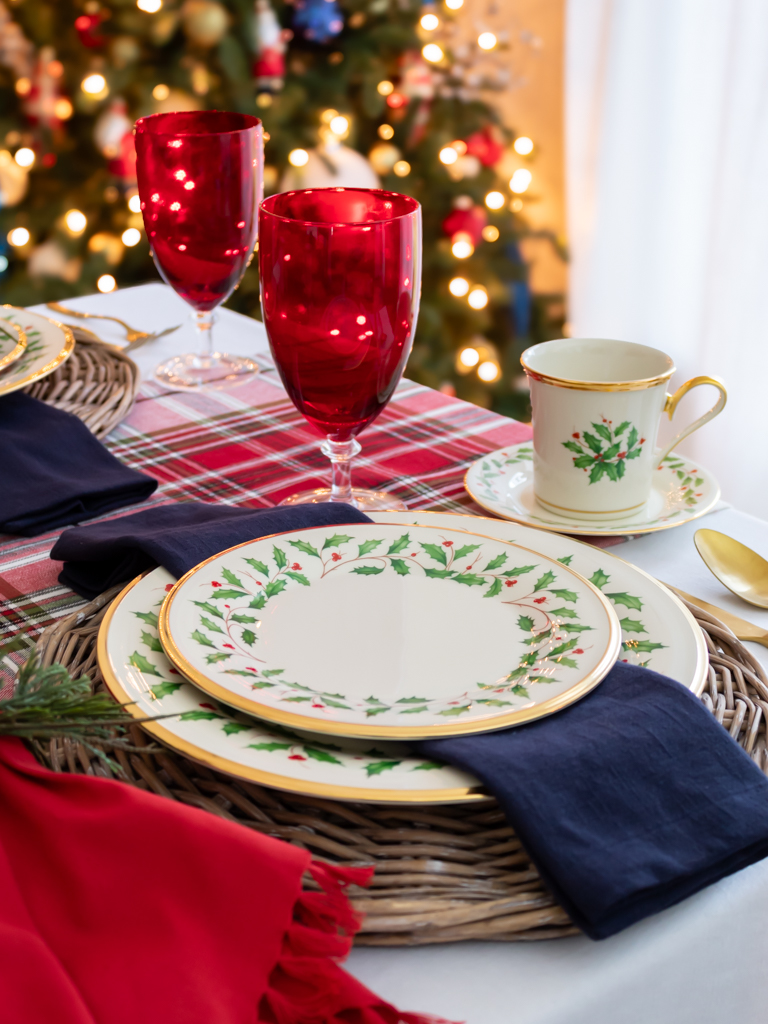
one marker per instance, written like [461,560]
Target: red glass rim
[197,122]
[383,207]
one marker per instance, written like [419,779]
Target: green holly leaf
[469,579]
[593,442]
[400,567]
[574,627]
[620,468]
[621,428]
[612,471]
[165,689]
[151,642]
[199,716]
[210,608]
[567,613]
[464,550]
[227,594]
[568,662]
[231,578]
[370,712]
[437,552]
[494,589]
[243,619]
[260,684]
[233,728]
[413,700]
[366,546]
[520,691]
[602,430]
[281,559]
[413,711]
[495,563]
[248,675]
[335,704]
[544,581]
[271,746]
[380,766]
[213,659]
[494,703]
[273,671]
[519,570]
[566,595]
[599,579]
[627,600]
[427,766]
[321,755]
[201,638]
[612,452]
[440,574]
[632,439]
[368,570]
[275,587]
[209,624]
[336,540]
[635,453]
[400,544]
[537,638]
[149,617]
[260,567]
[373,700]
[448,712]
[259,601]
[302,545]
[584,461]
[296,700]
[698,481]
[566,559]
[299,577]
[248,637]
[632,626]
[525,622]
[563,648]
[645,646]
[572,446]
[516,673]
[597,471]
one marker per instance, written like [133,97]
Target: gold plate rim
[584,531]
[413,732]
[281,782]
[20,346]
[43,371]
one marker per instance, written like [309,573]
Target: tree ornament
[125,50]
[270,44]
[14,180]
[329,166]
[383,157]
[49,260]
[487,145]
[113,135]
[318,20]
[205,22]
[39,103]
[468,222]
[16,51]
[417,77]
[87,28]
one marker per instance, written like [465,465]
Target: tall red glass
[200,179]
[340,286]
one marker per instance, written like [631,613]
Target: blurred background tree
[352,92]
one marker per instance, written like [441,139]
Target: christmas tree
[357,92]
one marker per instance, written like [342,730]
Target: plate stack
[31,347]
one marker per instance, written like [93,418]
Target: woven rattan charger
[441,874]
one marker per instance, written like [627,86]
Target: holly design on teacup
[607,451]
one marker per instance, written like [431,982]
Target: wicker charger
[442,874]
[98,383]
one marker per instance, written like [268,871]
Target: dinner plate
[370,630]
[502,483]
[13,343]
[138,673]
[658,631]
[48,344]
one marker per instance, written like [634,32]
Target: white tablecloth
[702,962]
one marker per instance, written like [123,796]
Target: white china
[48,345]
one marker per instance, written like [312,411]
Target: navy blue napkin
[53,471]
[628,801]
[177,537]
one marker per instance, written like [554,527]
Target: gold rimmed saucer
[48,345]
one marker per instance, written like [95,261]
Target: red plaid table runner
[249,446]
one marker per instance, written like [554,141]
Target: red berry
[168,586]
[642,440]
[509,583]
[621,455]
[576,435]
[296,757]
[229,646]
[447,543]
[539,600]
[210,707]
[215,584]
[336,556]
[578,651]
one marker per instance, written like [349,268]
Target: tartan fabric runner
[248,445]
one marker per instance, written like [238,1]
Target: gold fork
[133,336]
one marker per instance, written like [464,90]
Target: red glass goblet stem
[200,177]
[340,282]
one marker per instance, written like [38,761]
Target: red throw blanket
[121,907]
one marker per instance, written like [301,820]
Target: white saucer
[502,482]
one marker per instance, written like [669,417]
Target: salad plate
[502,483]
[139,675]
[13,343]
[48,344]
[371,630]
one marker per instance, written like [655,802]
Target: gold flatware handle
[742,629]
[133,334]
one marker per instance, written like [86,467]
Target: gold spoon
[738,567]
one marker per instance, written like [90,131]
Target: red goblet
[200,183]
[340,286]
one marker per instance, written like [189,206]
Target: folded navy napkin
[53,471]
[628,801]
[177,537]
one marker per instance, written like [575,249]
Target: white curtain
[667,178]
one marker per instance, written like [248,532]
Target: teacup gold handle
[673,400]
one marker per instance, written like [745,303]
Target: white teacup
[597,405]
